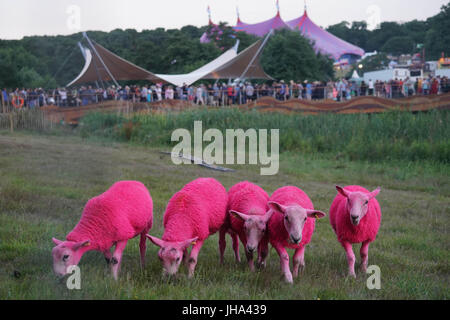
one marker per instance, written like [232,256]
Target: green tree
[399,45]
[289,56]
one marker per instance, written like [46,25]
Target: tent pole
[98,73]
[100,58]
[256,54]
[82,50]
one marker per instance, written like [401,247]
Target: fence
[219,96]
[30,119]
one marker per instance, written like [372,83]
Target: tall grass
[373,137]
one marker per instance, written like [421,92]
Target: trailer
[395,73]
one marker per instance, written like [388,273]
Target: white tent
[189,78]
[102,64]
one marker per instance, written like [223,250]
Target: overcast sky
[20,18]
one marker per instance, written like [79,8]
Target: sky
[19,18]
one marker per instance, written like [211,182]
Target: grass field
[47,179]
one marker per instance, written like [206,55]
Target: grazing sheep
[355,216]
[119,214]
[291,226]
[192,215]
[248,216]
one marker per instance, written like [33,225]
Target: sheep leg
[235,239]
[108,256]
[350,258]
[143,248]
[299,260]
[185,256]
[284,262]
[117,257]
[364,252]
[193,259]
[222,243]
[263,252]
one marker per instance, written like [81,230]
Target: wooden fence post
[11,122]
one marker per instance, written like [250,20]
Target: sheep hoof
[108,261]
[114,260]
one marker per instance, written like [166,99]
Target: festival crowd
[225,94]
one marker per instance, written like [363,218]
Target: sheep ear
[81,244]
[238,215]
[189,242]
[56,241]
[342,191]
[155,240]
[277,207]
[315,213]
[374,193]
[268,215]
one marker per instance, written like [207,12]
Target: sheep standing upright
[355,216]
[291,226]
[192,215]
[248,216]
[119,214]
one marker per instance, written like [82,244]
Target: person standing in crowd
[63,97]
[199,95]
[308,90]
[249,91]
[5,100]
[425,86]
[230,94]
[159,92]
[216,94]
[362,89]
[144,92]
[434,86]
[169,93]
[300,90]
[371,87]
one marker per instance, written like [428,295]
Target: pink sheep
[119,214]
[355,216]
[291,226]
[194,213]
[247,206]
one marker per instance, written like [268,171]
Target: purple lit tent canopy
[262,28]
[324,42]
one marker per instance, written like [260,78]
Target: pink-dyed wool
[247,198]
[367,228]
[197,210]
[122,212]
[290,195]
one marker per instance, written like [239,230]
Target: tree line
[52,61]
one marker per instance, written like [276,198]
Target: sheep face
[357,203]
[171,253]
[254,226]
[66,254]
[294,219]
